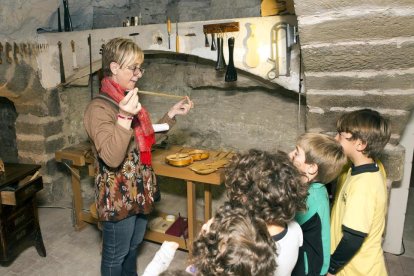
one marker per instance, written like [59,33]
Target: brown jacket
[124,186]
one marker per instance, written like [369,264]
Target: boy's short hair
[235,244]
[368,126]
[122,51]
[324,151]
[268,185]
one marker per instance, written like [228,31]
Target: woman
[121,133]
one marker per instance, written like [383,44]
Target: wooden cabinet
[19,221]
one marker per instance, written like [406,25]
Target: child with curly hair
[230,243]
[269,186]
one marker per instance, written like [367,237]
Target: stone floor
[74,253]
[71,253]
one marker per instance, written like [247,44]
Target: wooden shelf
[221,27]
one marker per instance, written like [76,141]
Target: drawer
[26,188]
[19,217]
[14,238]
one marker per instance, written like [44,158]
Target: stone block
[311,7]
[393,160]
[40,146]
[357,57]
[41,127]
[360,81]
[357,28]
[21,77]
[372,100]
[326,121]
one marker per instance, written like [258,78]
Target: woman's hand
[130,105]
[181,108]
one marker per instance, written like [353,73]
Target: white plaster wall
[193,45]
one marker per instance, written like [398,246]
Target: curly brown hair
[235,244]
[268,185]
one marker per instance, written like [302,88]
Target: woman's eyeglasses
[136,69]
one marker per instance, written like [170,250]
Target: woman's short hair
[122,51]
[268,185]
[235,244]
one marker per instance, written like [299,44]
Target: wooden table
[19,221]
[79,156]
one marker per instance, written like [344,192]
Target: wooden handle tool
[177,39]
[159,94]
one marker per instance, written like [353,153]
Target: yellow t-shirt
[361,204]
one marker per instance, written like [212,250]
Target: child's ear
[361,145]
[312,169]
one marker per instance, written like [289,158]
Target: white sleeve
[161,260]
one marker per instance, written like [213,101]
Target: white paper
[160,127]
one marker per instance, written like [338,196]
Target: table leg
[77,198]
[38,240]
[207,202]
[191,210]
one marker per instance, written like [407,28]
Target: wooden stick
[160,94]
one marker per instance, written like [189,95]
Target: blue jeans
[120,243]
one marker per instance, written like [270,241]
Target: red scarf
[141,123]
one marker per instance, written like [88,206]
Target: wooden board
[252,56]
[221,27]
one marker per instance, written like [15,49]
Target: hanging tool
[169,32]
[1,50]
[62,68]
[15,52]
[206,43]
[90,64]
[59,23]
[75,63]
[221,62]
[177,38]
[23,49]
[213,42]
[7,52]
[231,73]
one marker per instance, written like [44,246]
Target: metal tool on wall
[1,51]
[16,51]
[59,23]
[213,42]
[67,20]
[90,64]
[220,29]
[169,32]
[7,52]
[221,62]
[231,73]
[206,43]
[283,36]
[62,68]
[74,61]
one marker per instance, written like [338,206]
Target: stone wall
[366,64]
[359,55]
